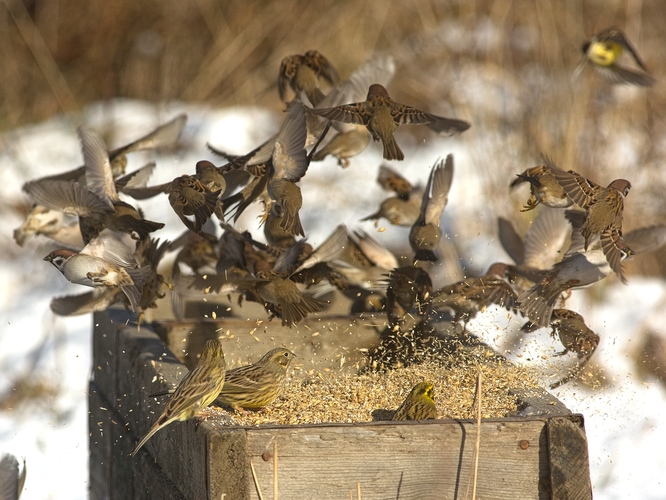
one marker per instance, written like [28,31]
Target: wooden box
[539,453]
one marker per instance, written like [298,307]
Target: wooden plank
[568,459]
[427,460]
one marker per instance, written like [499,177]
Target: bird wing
[66,196]
[137,179]
[163,135]
[349,113]
[437,191]
[391,180]
[544,238]
[578,188]
[112,246]
[99,176]
[289,156]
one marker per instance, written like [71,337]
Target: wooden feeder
[539,453]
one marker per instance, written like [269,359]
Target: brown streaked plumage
[302,74]
[196,390]
[382,116]
[544,188]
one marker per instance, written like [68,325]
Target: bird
[11,480]
[404,208]
[50,223]
[302,74]
[471,295]
[603,51]
[352,139]
[164,135]
[543,186]
[425,234]
[408,288]
[419,404]
[282,298]
[382,116]
[290,162]
[196,390]
[604,208]
[257,385]
[106,261]
[579,268]
[574,335]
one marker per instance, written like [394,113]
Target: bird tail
[134,291]
[538,302]
[392,150]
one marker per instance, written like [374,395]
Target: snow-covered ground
[624,420]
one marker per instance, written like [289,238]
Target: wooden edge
[568,458]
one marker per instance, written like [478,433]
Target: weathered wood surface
[534,457]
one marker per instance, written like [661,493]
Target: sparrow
[195,392]
[382,116]
[188,196]
[11,480]
[425,234]
[543,187]
[50,223]
[471,295]
[604,207]
[574,335]
[164,135]
[106,261]
[290,162]
[352,139]
[282,298]
[541,248]
[302,74]
[579,268]
[419,404]
[604,49]
[404,208]
[408,290]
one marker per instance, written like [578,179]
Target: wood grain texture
[540,456]
[424,460]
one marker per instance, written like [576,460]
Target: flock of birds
[106,242]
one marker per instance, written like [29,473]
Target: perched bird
[543,187]
[257,385]
[419,404]
[604,208]
[382,116]
[425,234]
[11,480]
[604,49]
[352,139]
[404,208]
[574,335]
[196,390]
[106,261]
[302,74]
[471,295]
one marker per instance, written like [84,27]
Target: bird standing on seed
[196,390]
[419,404]
[257,385]
[604,49]
[425,234]
[382,116]
[604,208]
[106,261]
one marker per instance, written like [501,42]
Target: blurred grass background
[506,66]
